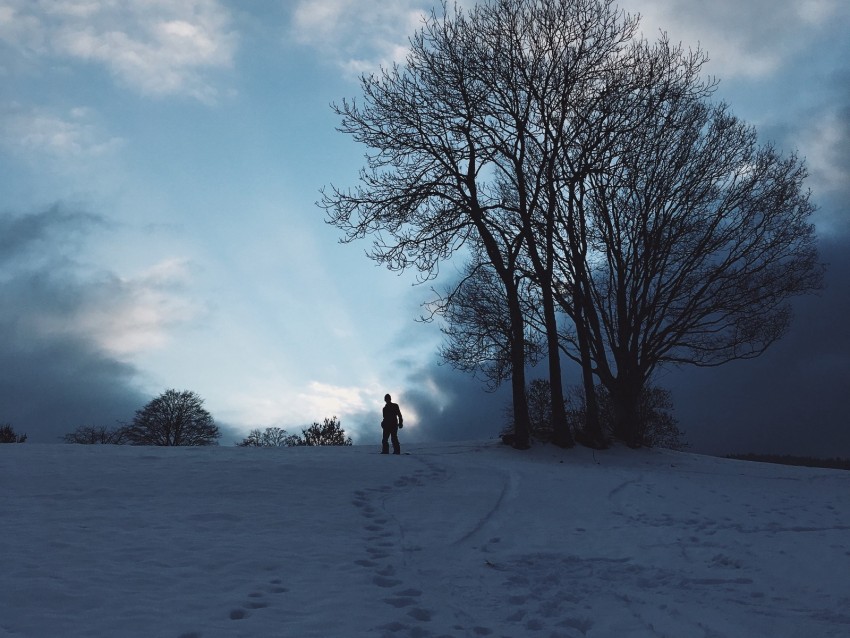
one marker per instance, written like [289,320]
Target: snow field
[466,539]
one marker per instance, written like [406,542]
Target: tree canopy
[173,418]
[600,196]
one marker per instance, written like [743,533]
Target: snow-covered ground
[468,539]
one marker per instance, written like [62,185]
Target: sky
[160,164]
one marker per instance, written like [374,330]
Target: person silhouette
[390,425]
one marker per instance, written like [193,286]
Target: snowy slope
[453,540]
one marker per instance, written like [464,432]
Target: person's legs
[385,445]
[396,446]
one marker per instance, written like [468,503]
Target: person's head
[387,398]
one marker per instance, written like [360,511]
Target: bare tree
[173,418]
[698,237]
[329,432]
[464,143]
[270,437]
[91,435]
[563,151]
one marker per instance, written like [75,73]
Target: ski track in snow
[452,541]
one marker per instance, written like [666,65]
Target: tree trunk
[522,421]
[561,435]
[625,396]
[593,436]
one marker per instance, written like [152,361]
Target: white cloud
[747,39]
[276,399]
[155,47]
[127,315]
[358,35]
[329,400]
[39,133]
[818,12]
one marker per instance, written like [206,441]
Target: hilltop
[460,539]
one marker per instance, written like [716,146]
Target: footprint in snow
[256,600]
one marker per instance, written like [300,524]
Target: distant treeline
[787,459]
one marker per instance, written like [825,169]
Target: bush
[8,435]
[539,397]
[656,427]
[270,437]
[328,433]
[91,435]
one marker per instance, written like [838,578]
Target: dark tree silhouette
[173,418]
[478,329]
[564,151]
[8,434]
[329,432]
[699,239]
[466,138]
[270,437]
[91,434]
[655,424]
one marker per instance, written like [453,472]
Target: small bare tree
[173,418]
[270,437]
[91,435]
[329,432]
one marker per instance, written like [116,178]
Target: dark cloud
[792,399]
[49,387]
[452,406]
[53,379]
[21,234]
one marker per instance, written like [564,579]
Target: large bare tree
[465,139]
[698,237]
[173,418]
[566,153]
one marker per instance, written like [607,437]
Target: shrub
[8,435]
[91,435]
[656,427]
[270,437]
[329,432]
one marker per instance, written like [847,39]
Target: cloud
[68,329]
[129,315]
[750,39]
[27,234]
[67,138]
[358,35]
[820,131]
[792,399]
[446,405]
[155,47]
